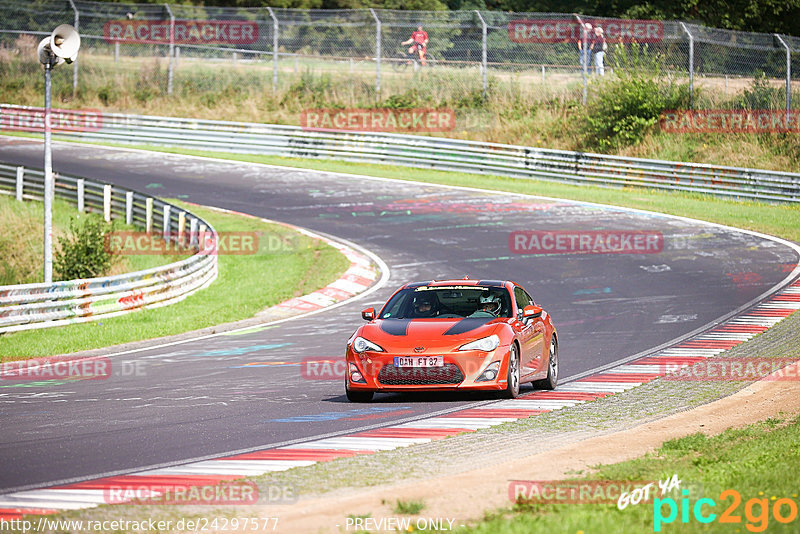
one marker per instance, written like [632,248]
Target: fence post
[691,65]
[192,231]
[788,74]
[170,74]
[274,49]
[116,51]
[584,59]
[81,195]
[20,179]
[181,225]
[148,216]
[377,51]
[107,202]
[167,208]
[75,63]
[483,51]
[129,208]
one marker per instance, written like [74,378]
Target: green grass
[408,507]
[22,241]
[758,462]
[246,284]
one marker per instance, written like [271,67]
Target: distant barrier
[428,152]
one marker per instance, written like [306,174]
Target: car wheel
[512,388]
[552,368]
[357,396]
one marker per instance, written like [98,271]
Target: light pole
[60,46]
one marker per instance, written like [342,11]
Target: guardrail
[419,151]
[31,306]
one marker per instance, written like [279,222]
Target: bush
[761,95]
[630,104]
[82,252]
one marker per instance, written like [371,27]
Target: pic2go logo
[756,511]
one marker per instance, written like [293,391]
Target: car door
[530,333]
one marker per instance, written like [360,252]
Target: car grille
[408,376]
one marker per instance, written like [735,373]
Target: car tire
[552,368]
[356,395]
[512,385]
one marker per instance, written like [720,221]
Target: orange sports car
[453,335]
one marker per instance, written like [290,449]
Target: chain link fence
[203,51]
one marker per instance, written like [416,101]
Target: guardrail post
[584,58]
[166,222]
[129,208]
[275,29]
[148,217]
[483,51]
[107,202]
[377,51]
[171,73]
[181,225]
[788,74]
[81,195]
[691,65]
[192,231]
[75,62]
[202,236]
[20,182]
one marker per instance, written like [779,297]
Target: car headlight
[360,345]
[485,344]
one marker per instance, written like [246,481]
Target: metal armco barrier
[426,152]
[30,306]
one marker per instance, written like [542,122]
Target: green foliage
[627,106]
[409,507]
[309,89]
[82,252]
[761,95]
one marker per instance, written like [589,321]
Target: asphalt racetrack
[229,393]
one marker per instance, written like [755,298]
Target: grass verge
[752,462]
[22,243]
[246,284]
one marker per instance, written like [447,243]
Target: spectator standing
[599,47]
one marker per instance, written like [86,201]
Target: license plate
[419,361]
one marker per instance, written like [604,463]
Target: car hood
[445,331]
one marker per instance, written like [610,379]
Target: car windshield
[448,302]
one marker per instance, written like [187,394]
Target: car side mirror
[368,314]
[531,312]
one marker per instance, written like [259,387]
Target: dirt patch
[465,496]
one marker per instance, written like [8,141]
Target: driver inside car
[426,306]
[488,306]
